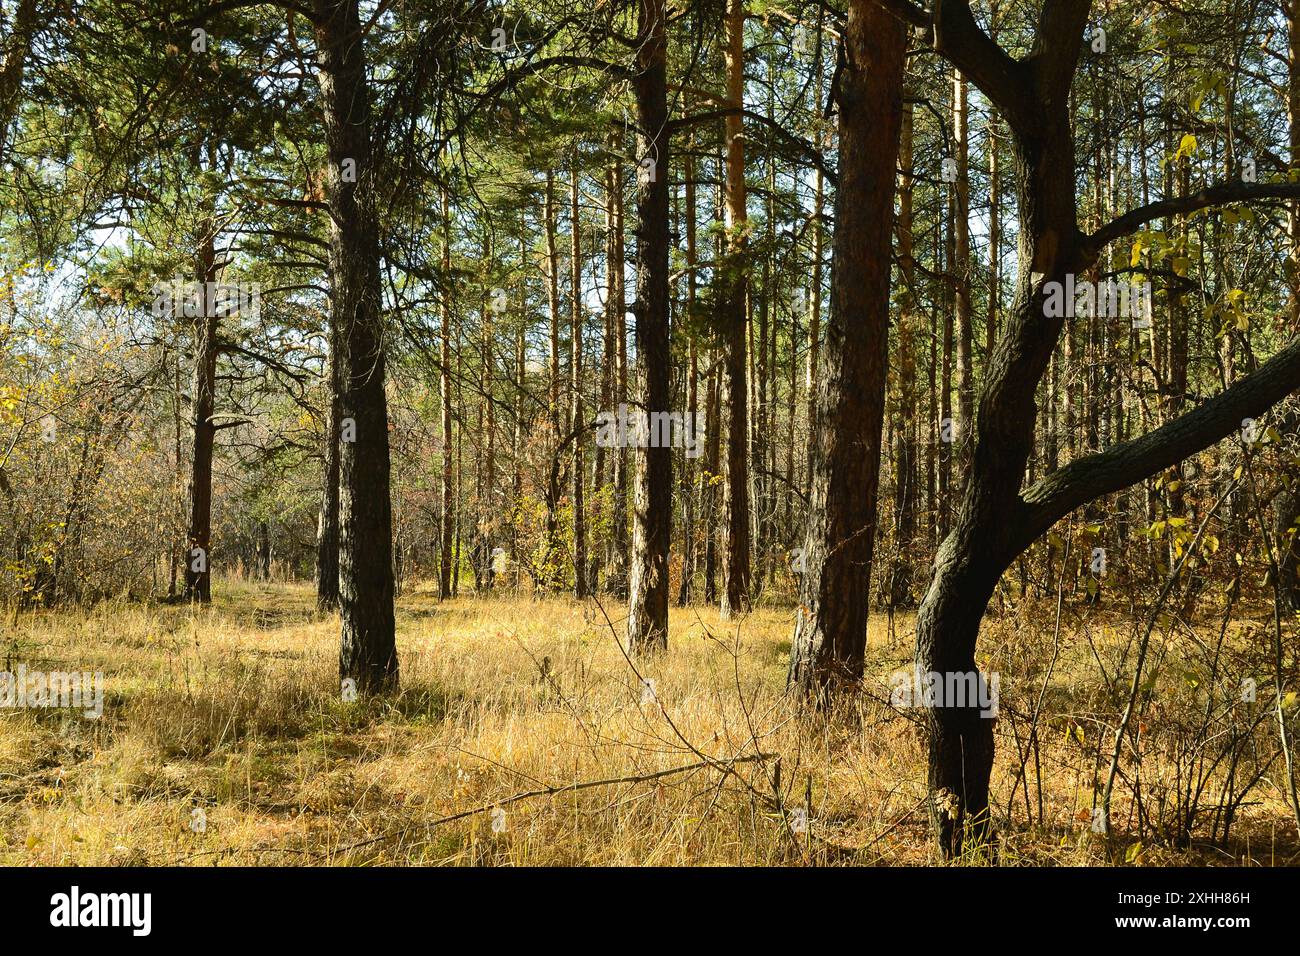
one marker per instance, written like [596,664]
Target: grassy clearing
[234,710]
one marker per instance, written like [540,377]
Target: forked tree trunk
[831,628]
[367,650]
[647,623]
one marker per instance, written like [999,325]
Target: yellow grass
[235,710]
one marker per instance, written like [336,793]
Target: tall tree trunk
[488,519]
[367,651]
[327,532]
[737,573]
[815,304]
[831,628]
[708,487]
[203,430]
[575,388]
[618,573]
[647,624]
[1287,510]
[444,402]
[551,559]
[949,430]
[692,390]
[553,303]
[906,399]
[961,260]
[600,551]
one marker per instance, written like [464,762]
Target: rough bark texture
[367,651]
[831,627]
[647,622]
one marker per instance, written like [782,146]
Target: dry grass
[235,710]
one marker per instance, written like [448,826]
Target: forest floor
[225,740]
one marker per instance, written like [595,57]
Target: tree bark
[367,651]
[831,627]
[652,525]
[203,430]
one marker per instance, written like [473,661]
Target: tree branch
[809,150]
[1004,81]
[1218,195]
[1086,479]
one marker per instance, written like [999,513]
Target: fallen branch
[551,791]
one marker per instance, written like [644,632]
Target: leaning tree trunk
[981,545]
[367,651]
[831,628]
[647,623]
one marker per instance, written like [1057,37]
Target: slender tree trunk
[949,430]
[601,551]
[618,572]
[488,517]
[327,535]
[906,399]
[692,393]
[1287,510]
[444,401]
[708,487]
[815,304]
[961,261]
[737,572]
[580,589]
[553,303]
